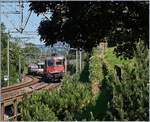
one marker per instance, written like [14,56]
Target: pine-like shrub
[125,99]
[61,104]
[129,97]
[95,66]
[95,70]
[33,109]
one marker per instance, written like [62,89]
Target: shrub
[95,66]
[71,68]
[125,99]
[95,71]
[84,76]
[130,95]
[33,109]
[61,104]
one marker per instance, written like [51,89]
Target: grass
[111,59]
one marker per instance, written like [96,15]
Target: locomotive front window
[50,63]
[59,62]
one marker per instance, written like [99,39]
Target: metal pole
[65,63]
[21,5]
[8,62]
[41,52]
[49,50]
[76,60]
[19,68]
[80,59]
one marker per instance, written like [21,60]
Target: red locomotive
[54,67]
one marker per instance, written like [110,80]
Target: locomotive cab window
[50,62]
[59,62]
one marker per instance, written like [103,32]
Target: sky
[12,21]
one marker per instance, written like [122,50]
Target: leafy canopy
[84,24]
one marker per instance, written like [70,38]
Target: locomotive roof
[55,57]
[32,65]
[40,63]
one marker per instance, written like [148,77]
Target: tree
[14,52]
[31,51]
[84,24]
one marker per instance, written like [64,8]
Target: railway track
[30,81]
[17,91]
[14,94]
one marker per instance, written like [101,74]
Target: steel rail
[20,96]
[19,86]
[16,93]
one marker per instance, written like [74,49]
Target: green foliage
[84,76]
[33,109]
[111,59]
[125,99]
[95,67]
[31,52]
[71,68]
[61,104]
[14,52]
[130,95]
[84,24]
[141,61]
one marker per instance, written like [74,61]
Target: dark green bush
[84,76]
[71,68]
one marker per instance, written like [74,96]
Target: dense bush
[71,68]
[125,99]
[95,70]
[95,66]
[84,75]
[61,104]
[128,99]
[33,109]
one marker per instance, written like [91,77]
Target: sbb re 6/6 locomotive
[54,67]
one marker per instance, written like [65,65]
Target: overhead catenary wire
[21,27]
[26,21]
[13,1]
[21,13]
